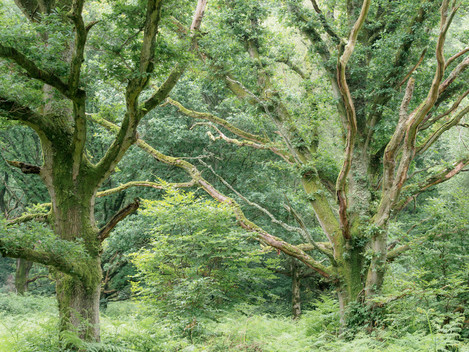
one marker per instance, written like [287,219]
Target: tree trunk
[78,297]
[295,290]
[72,195]
[350,265]
[377,269]
[78,308]
[23,267]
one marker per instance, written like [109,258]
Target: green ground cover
[29,324]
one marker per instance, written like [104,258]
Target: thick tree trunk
[377,269]
[72,195]
[78,307]
[23,267]
[350,266]
[78,297]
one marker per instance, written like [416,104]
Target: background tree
[355,197]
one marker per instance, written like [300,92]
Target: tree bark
[79,306]
[295,289]
[23,267]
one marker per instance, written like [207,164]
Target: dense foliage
[321,146]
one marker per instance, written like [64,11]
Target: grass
[29,324]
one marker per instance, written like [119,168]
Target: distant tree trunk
[296,289]
[23,267]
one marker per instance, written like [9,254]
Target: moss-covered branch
[219,121]
[38,244]
[196,176]
[40,217]
[351,119]
[12,110]
[34,71]
[79,45]
[155,185]
[162,92]
[126,135]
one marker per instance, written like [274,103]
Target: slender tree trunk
[23,267]
[295,289]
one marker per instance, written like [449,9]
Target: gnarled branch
[219,121]
[351,122]
[155,185]
[442,176]
[34,71]
[119,216]
[261,234]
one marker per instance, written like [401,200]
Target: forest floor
[29,323]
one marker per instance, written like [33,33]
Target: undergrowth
[29,324]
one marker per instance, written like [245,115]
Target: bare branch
[434,136]
[428,121]
[119,216]
[413,68]
[25,168]
[454,74]
[274,220]
[454,57]
[435,179]
[242,92]
[243,143]
[324,250]
[29,281]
